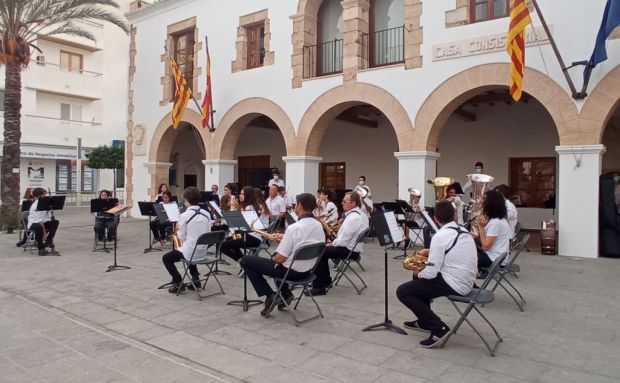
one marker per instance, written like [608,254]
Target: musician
[493,228]
[220,224]
[478,169]
[457,203]
[40,222]
[216,196]
[361,181]
[451,271]
[276,180]
[104,220]
[511,210]
[159,228]
[163,188]
[413,220]
[325,208]
[306,231]
[353,225]
[366,202]
[275,202]
[289,199]
[27,200]
[192,224]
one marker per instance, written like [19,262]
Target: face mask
[276,177]
[479,170]
[360,182]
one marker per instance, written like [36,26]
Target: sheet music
[295,217]
[172,211]
[251,218]
[217,208]
[429,220]
[395,231]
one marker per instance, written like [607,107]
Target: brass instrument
[416,262]
[277,237]
[361,191]
[441,186]
[415,192]
[176,241]
[331,231]
[479,183]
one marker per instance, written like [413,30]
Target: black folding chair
[475,297]
[510,268]
[30,243]
[305,253]
[202,256]
[345,264]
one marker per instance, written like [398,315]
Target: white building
[396,90]
[73,89]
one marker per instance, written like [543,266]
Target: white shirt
[290,200]
[459,267]
[306,231]
[512,218]
[279,182]
[276,205]
[458,206]
[329,210]
[355,223]
[369,203]
[499,228]
[35,216]
[189,232]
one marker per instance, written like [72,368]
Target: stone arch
[600,106]
[330,104]
[163,137]
[238,117]
[445,99]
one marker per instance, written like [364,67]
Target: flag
[207,103]
[611,19]
[519,19]
[182,94]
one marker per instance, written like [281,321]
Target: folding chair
[30,243]
[306,253]
[345,264]
[202,256]
[510,268]
[478,296]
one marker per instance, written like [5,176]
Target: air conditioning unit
[41,60]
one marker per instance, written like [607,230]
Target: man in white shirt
[478,169]
[192,224]
[306,231]
[275,203]
[288,198]
[366,203]
[354,224]
[511,210]
[361,181]
[41,224]
[451,270]
[276,180]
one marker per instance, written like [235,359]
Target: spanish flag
[207,102]
[182,94]
[519,19]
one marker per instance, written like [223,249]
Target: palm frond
[72,30]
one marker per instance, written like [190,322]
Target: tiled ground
[64,319]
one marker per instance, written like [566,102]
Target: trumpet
[416,262]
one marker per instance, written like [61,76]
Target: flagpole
[571,85]
[211,112]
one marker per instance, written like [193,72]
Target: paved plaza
[64,319]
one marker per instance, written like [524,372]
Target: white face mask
[276,177]
[360,182]
[479,170]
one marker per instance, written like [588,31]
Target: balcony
[386,47]
[94,28]
[56,131]
[323,59]
[53,79]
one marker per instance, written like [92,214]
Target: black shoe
[100,239]
[415,325]
[316,291]
[43,252]
[269,305]
[189,286]
[49,244]
[289,300]
[436,340]
[20,244]
[176,288]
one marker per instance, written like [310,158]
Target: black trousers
[159,229]
[50,227]
[417,295]
[173,257]
[323,277]
[484,262]
[234,247]
[255,269]
[101,224]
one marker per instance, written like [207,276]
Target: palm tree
[20,23]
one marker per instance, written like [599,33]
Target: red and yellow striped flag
[182,94]
[207,103]
[519,19]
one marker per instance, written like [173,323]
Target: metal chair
[202,256]
[475,297]
[306,253]
[511,268]
[30,243]
[345,264]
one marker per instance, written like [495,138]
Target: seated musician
[159,228]
[353,225]
[192,224]
[457,203]
[494,231]
[306,231]
[264,213]
[325,208]
[288,198]
[512,215]
[413,220]
[28,199]
[220,224]
[216,193]
[163,188]
[40,222]
[275,202]
[451,271]
[104,220]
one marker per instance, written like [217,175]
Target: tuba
[479,183]
[441,186]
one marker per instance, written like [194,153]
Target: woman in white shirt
[493,228]
[234,247]
[325,208]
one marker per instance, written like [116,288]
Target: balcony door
[387,32]
[329,42]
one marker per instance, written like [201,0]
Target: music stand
[26,204]
[290,219]
[388,233]
[236,222]
[147,210]
[50,204]
[100,206]
[117,211]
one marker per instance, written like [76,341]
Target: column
[355,14]
[577,198]
[219,172]
[158,172]
[414,169]
[302,174]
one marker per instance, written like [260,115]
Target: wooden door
[333,175]
[246,164]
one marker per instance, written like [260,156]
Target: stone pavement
[64,319]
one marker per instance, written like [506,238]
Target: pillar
[219,172]
[302,174]
[414,169]
[579,168]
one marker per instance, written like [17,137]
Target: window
[330,31]
[66,176]
[482,10]
[70,61]
[183,46]
[387,32]
[70,112]
[41,60]
[532,181]
[256,45]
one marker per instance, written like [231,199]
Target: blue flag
[611,19]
